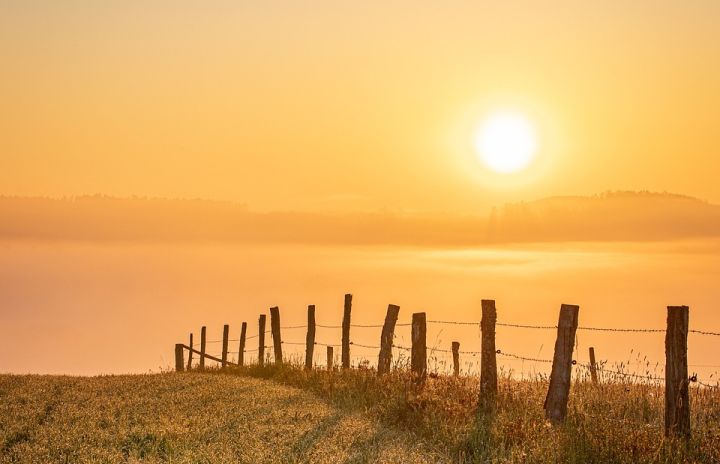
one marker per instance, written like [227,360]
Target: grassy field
[285,414]
[614,422]
[187,418]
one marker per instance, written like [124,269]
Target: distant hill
[633,216]
[101,218]
[627,216]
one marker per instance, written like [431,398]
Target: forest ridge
[611,216]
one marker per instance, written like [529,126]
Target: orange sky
[355,107]
[353,122]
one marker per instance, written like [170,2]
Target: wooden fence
[677,405]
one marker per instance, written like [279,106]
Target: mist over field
[98,285]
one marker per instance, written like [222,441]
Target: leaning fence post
[559,389]
[386,339]
[346,332]
[275,327]
[261,340]
[179,361]
[190,353]
[203,341]
[310,337]
[226,334]
[593,366]
[241,350]
[488,359]
[418,360]
[456,358]
[330,357]
[677,401]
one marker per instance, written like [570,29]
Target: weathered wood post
[593,366]
[386,339]
[203,342]
[488,356]
[261,340]
[275,327]
[226,336]
[179,361]
[346,332]
[330,357]
[677,399]
[241,350]
[190,353]
[418,357]
[310,337]
[559,389]
[456,358]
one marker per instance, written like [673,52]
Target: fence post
[559,389]
[346,332]
[418,360]
[386,339]
[310,337]
[275,327]
[488,356]
[241,350]
[226,334]
[456,358]
[190,353]
[203,341]
[261,340]
[179,361]
[593,366]
[330,357]
[677,401]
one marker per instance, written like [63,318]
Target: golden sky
[307,109]
[355,106]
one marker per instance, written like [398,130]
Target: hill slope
[186,418]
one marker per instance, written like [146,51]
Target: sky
[355,106]
[200,162]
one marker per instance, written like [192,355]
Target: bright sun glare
[506,142]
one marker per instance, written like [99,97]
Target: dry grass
[340,416]
[616,422]
[187,418]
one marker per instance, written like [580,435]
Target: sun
[506,142]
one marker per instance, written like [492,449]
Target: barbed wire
[524,358]
[452,322]
[612,329]
[360,326]
[587,328]
[704,332]
[601,369]
[525,326]
[365,346]
[326,344]
[499,324]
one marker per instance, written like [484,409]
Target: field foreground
[186,418]
[283,413]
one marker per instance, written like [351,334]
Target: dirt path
[186,418]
